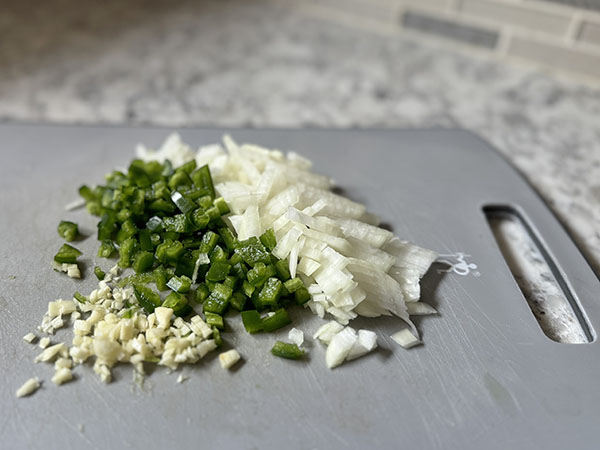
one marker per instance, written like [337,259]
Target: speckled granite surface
[243,63]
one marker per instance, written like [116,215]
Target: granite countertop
[237,63]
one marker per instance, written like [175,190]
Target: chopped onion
[410,256]
[207,154]
[296,336]
[405,338]
[340,346]
[327,331]
[308,266]
[284,246]
[299,161]
[250,224]
[336,205]
[315,208]
[366,342]
[369,234]
[322,224]
[282,201]
[378,258]
[294,255]
[239,196]
[202,259]
[313,249]
[420,309]
[341,315]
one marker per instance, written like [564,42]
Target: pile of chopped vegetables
[229,228]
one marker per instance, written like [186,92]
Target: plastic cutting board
[487,377]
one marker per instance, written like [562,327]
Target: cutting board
[487,377]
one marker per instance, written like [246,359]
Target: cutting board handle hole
[539,277]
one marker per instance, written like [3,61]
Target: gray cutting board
[486,377]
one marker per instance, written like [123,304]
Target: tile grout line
[574,29]
[456,17]
[504,38]
[558,8]
[560,43]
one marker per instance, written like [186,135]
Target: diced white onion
[339,347]
[282,201]
[420,309]
[327,331]
[336,205]
[410,256]
[294,255]
[202,259]
[369,234]
[296,336]
[366,342]
[405,338]
[308,266]
[284,246]
[250,224]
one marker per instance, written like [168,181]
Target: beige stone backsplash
[557,36]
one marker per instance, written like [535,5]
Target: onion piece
[282,201]
[337,243]
[308,266]
[331,280]
[207,154]
[366,342]
[299,161]
[341,315]
[420,309]
[284,246]
[294,255]
[268,182]
[369,234]
[380,288]
[236,222]
[409,281]
[340,347]
[202,259]
[336,205]
[250,224]
[410,256]
[322,224]
[172,149]
[380,259]
[296,336]
[333,259]
[239,196]
[313,249]
[405,338]
[315,208]
[326,332]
